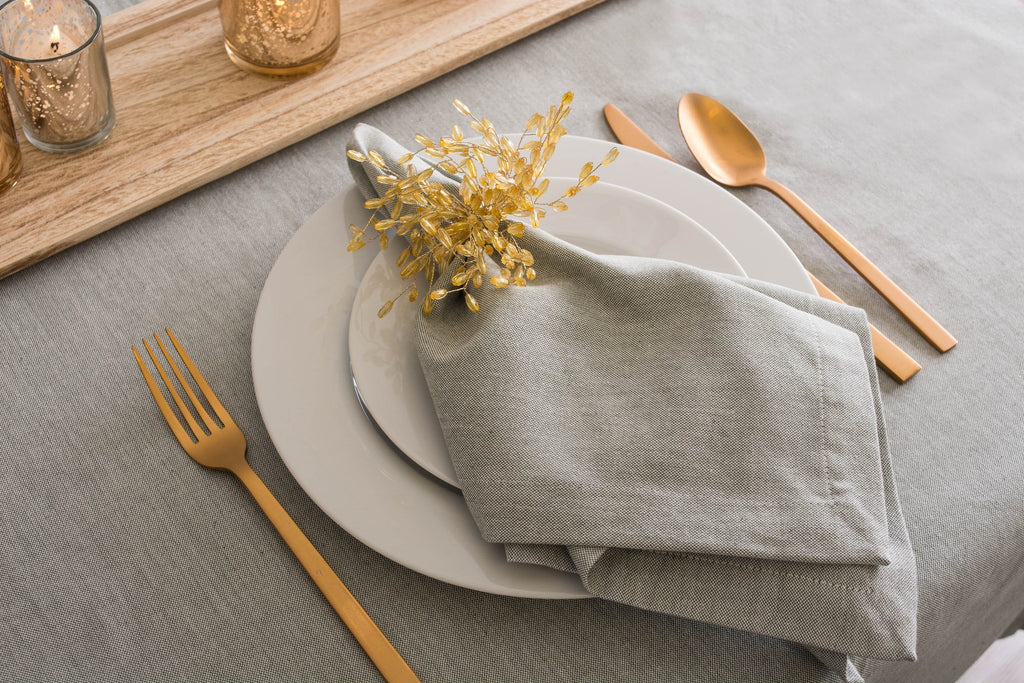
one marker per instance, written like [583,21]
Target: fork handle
[381,652]
[929,328]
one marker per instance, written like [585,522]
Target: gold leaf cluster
[499,195]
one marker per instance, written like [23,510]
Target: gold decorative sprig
[483,218]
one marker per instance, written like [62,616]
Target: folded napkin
[699,445]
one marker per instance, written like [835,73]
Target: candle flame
[55,39]
[279,3]
[28,5]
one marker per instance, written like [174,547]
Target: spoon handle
[929,328]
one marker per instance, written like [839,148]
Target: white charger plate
[604,218]
[303,381]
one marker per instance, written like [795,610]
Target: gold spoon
[730,154]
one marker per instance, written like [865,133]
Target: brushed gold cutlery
[222,446]
[890,357]
[727,150]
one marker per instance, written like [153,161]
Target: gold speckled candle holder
[55,69]
[281,37]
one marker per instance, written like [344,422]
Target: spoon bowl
[720,142]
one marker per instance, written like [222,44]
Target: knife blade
[630,134]
[890,357]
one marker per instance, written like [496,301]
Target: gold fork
[223,447]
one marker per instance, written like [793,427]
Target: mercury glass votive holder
[10,151]
[55,69]
[281,37]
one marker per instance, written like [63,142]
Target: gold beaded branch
[483,219]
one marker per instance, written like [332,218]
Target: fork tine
[174,394]
[204,388]
[172,420]
[203,415]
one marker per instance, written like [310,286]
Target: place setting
[533,367]
[303,310]
[606,429]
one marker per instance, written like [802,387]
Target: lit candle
[55,68]
[281,37]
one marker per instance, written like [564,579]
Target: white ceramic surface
[604,218]
[303,381]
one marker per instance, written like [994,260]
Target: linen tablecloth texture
[121,560]
[703,446]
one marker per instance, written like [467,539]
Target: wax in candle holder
[281,37]
[55,68]
[10,152]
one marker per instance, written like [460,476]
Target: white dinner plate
[604,218]
[303,381]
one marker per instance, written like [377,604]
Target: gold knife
[890,357]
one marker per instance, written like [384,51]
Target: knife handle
[891,358]
[929,328]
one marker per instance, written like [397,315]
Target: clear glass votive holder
[281,37]
[10,150]
[55,69]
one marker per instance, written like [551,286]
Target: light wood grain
[186,115]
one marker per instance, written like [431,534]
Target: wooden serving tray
[186,115]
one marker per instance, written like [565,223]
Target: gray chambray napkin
[704,446]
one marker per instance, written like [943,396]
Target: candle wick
[55,46]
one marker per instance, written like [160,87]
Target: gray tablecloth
[121,560]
